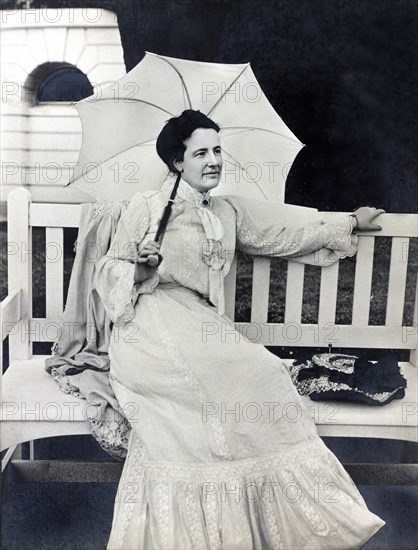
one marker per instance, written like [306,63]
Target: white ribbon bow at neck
[214,255]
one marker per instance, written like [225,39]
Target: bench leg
[12,452]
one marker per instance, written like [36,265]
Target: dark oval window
[55,81]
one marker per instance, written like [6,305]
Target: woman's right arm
[117,278]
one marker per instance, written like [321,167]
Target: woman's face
[202,162]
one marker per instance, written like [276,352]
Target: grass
[278,274]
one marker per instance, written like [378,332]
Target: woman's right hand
[142,269]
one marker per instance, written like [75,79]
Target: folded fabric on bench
[341,377]
[79,362]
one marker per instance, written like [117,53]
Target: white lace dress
[223,454]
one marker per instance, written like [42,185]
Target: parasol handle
[154,260]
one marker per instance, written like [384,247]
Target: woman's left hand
[364,216]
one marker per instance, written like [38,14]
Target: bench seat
[35,407]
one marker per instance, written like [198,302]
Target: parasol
[121,122]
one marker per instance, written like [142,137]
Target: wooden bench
[33,406]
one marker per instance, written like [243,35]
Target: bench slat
[260,291]
[286,334]
[294,292]
[54,272]
[393,225]
[311,335]
[19,269]
[328,294]
[54,215]
[413,354]
[397,281]
[363,282]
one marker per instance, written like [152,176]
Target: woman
[199,472]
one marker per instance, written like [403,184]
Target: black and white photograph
[209,244]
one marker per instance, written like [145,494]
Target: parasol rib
[227,90]
[180,76]
[252,128]
[131,100]
[246,171]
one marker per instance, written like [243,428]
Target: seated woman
[200,472]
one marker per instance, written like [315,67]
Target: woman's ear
[178,164]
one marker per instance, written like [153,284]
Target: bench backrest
[23,215]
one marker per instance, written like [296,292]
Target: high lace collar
[193,196]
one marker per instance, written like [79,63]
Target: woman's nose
[211,158]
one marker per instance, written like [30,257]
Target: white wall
[39,144]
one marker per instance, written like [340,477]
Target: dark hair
[170,142]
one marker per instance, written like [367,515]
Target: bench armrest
[10,311]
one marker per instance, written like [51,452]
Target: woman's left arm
[260,231]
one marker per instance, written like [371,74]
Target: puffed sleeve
[114,273]
[296,234]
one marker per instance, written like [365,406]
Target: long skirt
[223,453]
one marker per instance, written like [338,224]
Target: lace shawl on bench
[79,361]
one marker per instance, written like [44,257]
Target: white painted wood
[230,289]
[44,330]
[363,282]
[109,53]
[63,17]
[55,42]
[294,292]
[55,124]
[55,215]
[260,290]
[61,141]
[413,355]
[52,194]
[40,158]
[17,453]
[31,450]
[10,312]
[15,432]
[19,243]
[64,110]
[14,123]
[397,281]
[107,74]
[393,225]
[37,41]
[76,41]
[103,36]
[54,272]
[328,294]
[8,455]
[312,335]
[37,408]
[10,317]
[401,433]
